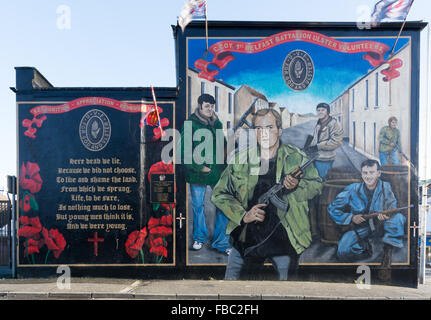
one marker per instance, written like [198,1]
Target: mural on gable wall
[334,100]
[290,149]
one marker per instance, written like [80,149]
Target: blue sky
[334,71]
[128,43]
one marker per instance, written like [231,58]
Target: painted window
[230,102]
[365,136]
[189,95]
[353,99]
[377,89]
[374,138]
[216,98]
[354,134]
[202,87]
[366,94]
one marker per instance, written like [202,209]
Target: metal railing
[5,232]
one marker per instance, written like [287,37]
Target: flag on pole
[193,9]
[391,9]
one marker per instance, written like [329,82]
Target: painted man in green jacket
[202,144]
[389,142]
[279,235]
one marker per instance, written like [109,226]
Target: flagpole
[401,30]
[206,25]
[157,111]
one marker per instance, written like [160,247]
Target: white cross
[181,218]
[414,227]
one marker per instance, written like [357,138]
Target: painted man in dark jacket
[203,165]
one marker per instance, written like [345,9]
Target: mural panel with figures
[318,165]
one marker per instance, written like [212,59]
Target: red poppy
[54,240]
[25,203]
[29,250]
[28,231]
[35,242]
[24,220]
[135,241]
[166,220]
[48,240]
[28,221]
[153,222]
[159,251]
[161,231]
[28,203]
[158,131]
[29,178]
[156,242]
[29,125]
[150,238]
[32,246]
[31,227]
[30,133]
[39,121]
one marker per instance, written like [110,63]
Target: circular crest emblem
[298,70]
[95,130]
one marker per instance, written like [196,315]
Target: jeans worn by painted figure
[353,200]
[236,263]
[199,178]
[323,167]
[391,155]
[220,240]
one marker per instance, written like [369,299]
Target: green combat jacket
[388,135]
[236,185]
[192,169]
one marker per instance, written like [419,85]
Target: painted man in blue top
[356,201]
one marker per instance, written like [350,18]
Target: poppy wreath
[160,168]
[26,123]
[159,229]
[135,242]
[153,120]
[37,236]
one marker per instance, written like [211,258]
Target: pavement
[135,289]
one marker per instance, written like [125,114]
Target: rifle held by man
[271,194]
[366,217]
